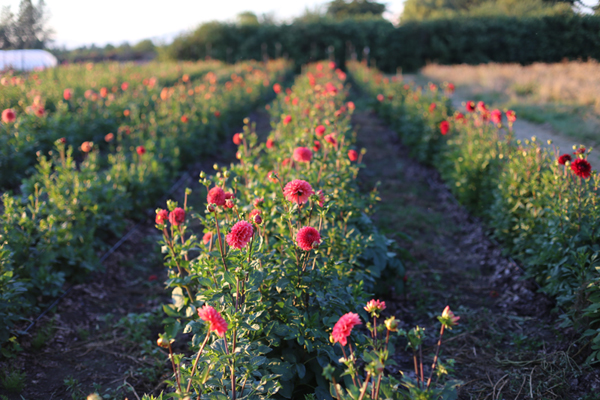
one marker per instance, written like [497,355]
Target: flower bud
[188,191]
[202,175]
[226,174]
[257,219]
[161,343]
[315,245]
[211,208]
[216,167]
[391,324]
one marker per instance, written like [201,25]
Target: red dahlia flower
[459,117]
[184,119]
[352,155]
[67,93]
[161,216]
[109,137]
[277,88]
[496,116]
[470,106]
[444,127]
[302,154]
[287,119]
[217,114]
[481,107]
[237,140]
[317,146]
[331,139]
[216,322]
[240,234]
[298,191]
[351,105]
[86,147]
[320,130]
[216,196]
[8,115]
[343,328]
[207,237]
[308,238]
[580,150]
[511,116]
[562,160]
[177,216]
[270,143]
[380,97]
[124,86]
[141,150]
[432,107]
[581,168]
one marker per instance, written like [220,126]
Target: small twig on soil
[132,389]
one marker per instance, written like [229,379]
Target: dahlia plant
[541,205]
[372,383]
[287,246]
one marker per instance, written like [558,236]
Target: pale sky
[83,22]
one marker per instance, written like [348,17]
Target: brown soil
[508,344]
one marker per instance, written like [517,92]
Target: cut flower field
[279,279]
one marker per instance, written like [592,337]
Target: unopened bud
[188,191]
[216,167]
[202,175]
[391,324]
[257,219]
[226,174]
[161,343]
[211,208]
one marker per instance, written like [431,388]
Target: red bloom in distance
[237,139]
[320,130]
[581,168]
[511,116]
[184,119]
[207,237]
[161,216]
[8,115]
[302,154]
[352,155]
[481,107]
[287,119]
[444,127]
[270,143]
[141,150]
[351,105]
[216,322]
[308,238]
[277,88]
[216,196]
[124,86]
[67,93]
[217,114]
[298,191]
[562,160]
[459,117]
[240,234]
[343,328]
[321,197]
[432,107]
[331,139]
[470,106]
[272,176]
[177,216]
[580,150]
[380,97]
[496,116]
[317,145]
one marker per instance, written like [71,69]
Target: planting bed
[302,269]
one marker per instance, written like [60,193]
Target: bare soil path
[508,345]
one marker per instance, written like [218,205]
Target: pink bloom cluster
[298,191]
[216,321]
[308,238]
[240,234]
[343,328]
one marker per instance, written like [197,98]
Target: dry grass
[569,82]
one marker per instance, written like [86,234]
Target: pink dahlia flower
[177,216]
[216,321]
[375,307]
[216,196]
[352,155]
[320,130]
[207,237]
[240,234]
[161,216]
[302,154]
[8,115]
[308,238]
[298,191]
[343,328]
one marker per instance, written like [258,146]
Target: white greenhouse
[26,60]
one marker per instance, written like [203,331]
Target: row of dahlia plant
[81,194]
[81,104]
[542,205]
[272,286]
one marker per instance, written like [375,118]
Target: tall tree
[26,30]
[354,8]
